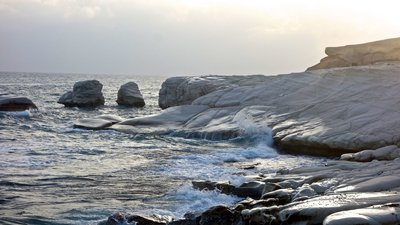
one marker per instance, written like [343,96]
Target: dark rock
[116,219]
[184,222]
[218,215]
[148,220]
[261,216]
[284,195]
[250,203]
[15,103]
[225,187]
[252,189]
[66,99]
[129,95]
[268,187]
[85,94]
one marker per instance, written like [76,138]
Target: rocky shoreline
[341,192]
[348,107]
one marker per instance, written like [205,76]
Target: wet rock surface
[324,112]
[15,103]
[341,192]
[98,122]
[183,90]
[130,95]
[84,94]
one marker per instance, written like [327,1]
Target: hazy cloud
[177,37]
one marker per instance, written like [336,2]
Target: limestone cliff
[360,54]
[323,112]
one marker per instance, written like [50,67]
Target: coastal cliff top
[360,54]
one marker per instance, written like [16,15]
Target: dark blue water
[51,173]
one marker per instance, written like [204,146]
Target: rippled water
[51,173]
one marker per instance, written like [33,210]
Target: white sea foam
[21,114]
[192,200]
[211,166]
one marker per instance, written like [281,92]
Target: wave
[195,201]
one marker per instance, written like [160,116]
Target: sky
[185,37]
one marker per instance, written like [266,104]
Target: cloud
[184,36]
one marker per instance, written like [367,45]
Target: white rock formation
[360,54]
[183,90]
[385,153]
[375,215]
[85,94]
[129,95]
[315,210]
[324,112]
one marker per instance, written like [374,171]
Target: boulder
[66,99]
[15,103]
[129,95]
[183,90]
[261,215]
[360,54]
[84,94]
[148,220]
[283,195]
[252,189]
[218,215]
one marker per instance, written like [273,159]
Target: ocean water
[51,173]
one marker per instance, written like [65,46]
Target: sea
[53,173]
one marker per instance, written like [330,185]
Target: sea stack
[84,94]
[129,95]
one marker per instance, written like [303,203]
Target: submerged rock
[98,122]
[129,95]
[85,94]
[15,103]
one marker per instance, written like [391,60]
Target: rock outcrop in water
[98,122]
[129,95]
[360,54]
[84,94]
[339,192]
[15,103]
